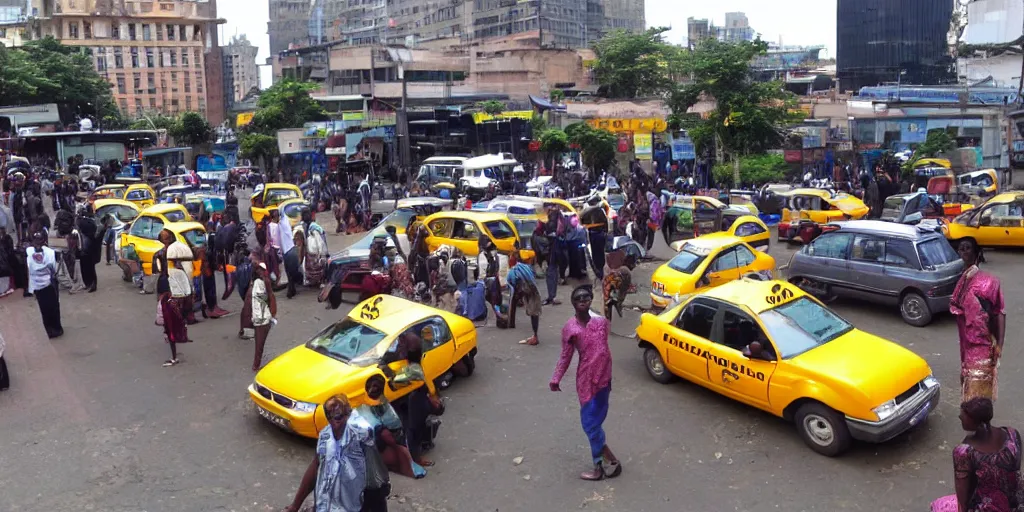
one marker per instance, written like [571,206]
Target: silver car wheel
[913,308]
[654,363]
[819,430]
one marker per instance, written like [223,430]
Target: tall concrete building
[288,25]
[737,28]
[240,55]
[154,54]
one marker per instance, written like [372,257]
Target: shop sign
[642,146]
[243,119]
[480,117]
[649,125]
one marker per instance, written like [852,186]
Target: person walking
[588,334]
[337,474]
[42,275]
[986,465]
[595,219]
[176,302]
[263,305]
[977,304]
[292,254]
[523,290]
[5,377]
[555,245]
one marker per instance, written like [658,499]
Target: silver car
[894,264]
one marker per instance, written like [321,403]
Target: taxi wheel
[823,429]
[656,366]
[914,310]
[470,363]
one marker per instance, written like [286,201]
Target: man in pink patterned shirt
[588,335]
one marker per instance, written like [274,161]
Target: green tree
[938,141]
[191,129]
[755,170]
[556,95]
[154,122]
[492,107]
[552,142]
[538,124]
[597,146]
[634,65]
[258,147]
[286,104]
[749,116]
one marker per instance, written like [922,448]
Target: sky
[792,20]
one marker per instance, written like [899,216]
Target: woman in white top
[42,271]
[263,305]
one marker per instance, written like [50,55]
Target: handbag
[159,314]
[376,472]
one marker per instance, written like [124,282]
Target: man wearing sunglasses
[337,473]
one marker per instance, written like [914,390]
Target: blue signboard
[682,149]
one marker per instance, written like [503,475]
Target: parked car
[997,223]
[895,264]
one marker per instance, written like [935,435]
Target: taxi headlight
[885,410]
[930,382]
[304,406]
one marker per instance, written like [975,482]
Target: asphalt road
[93,422]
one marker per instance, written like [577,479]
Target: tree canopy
[286,104]
[46,71]
[492,107]
[597,146]
[636,65]
[748,115]
[755,170]
[258,147]
[191,129]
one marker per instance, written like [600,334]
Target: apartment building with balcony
[153,52]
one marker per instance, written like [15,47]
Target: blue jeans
[592,416]
[554,269]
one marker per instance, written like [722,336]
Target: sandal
[171,362]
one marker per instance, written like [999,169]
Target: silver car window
[830,245]
[868,249]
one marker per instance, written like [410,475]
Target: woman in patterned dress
[977,304]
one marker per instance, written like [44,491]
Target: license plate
[273,418]
[921,415]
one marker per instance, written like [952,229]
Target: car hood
[862,363]
[302,374]
[481,181]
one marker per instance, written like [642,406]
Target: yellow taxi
[268,196]
[122,210]
[462,230]
[407,210]
[115,191]
[748,228]
[999,222]
[290,390]
[169,212]
[141,194]
[143,237]
[705,262]
[771,346]
[805,207]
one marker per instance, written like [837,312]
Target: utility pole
[403,121]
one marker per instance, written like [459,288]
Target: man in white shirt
[291,254]
[42,268]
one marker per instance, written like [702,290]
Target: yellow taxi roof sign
[756,295]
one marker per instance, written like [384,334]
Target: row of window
[172,106]
[135,31]
[148,57]
[122,87]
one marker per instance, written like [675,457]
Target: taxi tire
[470,363]
[651,355]
[827,418]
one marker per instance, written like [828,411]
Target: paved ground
[92,421]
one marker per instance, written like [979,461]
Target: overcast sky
[797,22]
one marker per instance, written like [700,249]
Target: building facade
[993,30]
[737,28]
[154,55]
[240,55]
[893,41]
[288,25]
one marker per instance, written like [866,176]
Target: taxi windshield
[346,340]
[174,216]
[688,259]
[891,208]
[801,325]
[196,237]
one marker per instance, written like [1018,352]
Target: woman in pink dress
[977,303]
[986,465]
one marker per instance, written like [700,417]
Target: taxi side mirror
[705,280]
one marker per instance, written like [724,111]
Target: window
[138,106]
[159,32]
[199,82]
[135,57]
[935,252]
[136,82]
[174,81]
[149,58]
[749,229]
[142,195]
[118,58]
[188,83]
[500,230]
[900,253]
[465,230]
[181,33]
[433,333]
[868,249]
[689,258]
[146,227]
[802,324]
[87,28]
[166,7]
[184,58]
[197,33]
[145,32]
[195,61]
[698,318]
[346,340]
[726,261]
[151,83]
[131,31]
[152,103]
[115,30]
[174,58]
[120,84]
[123,103]
[744,256]
[73,29]
[188,103]
[441,228]
[101,60]
[170,32]
[739,330]
[830,245]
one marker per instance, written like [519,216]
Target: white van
[481,172]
